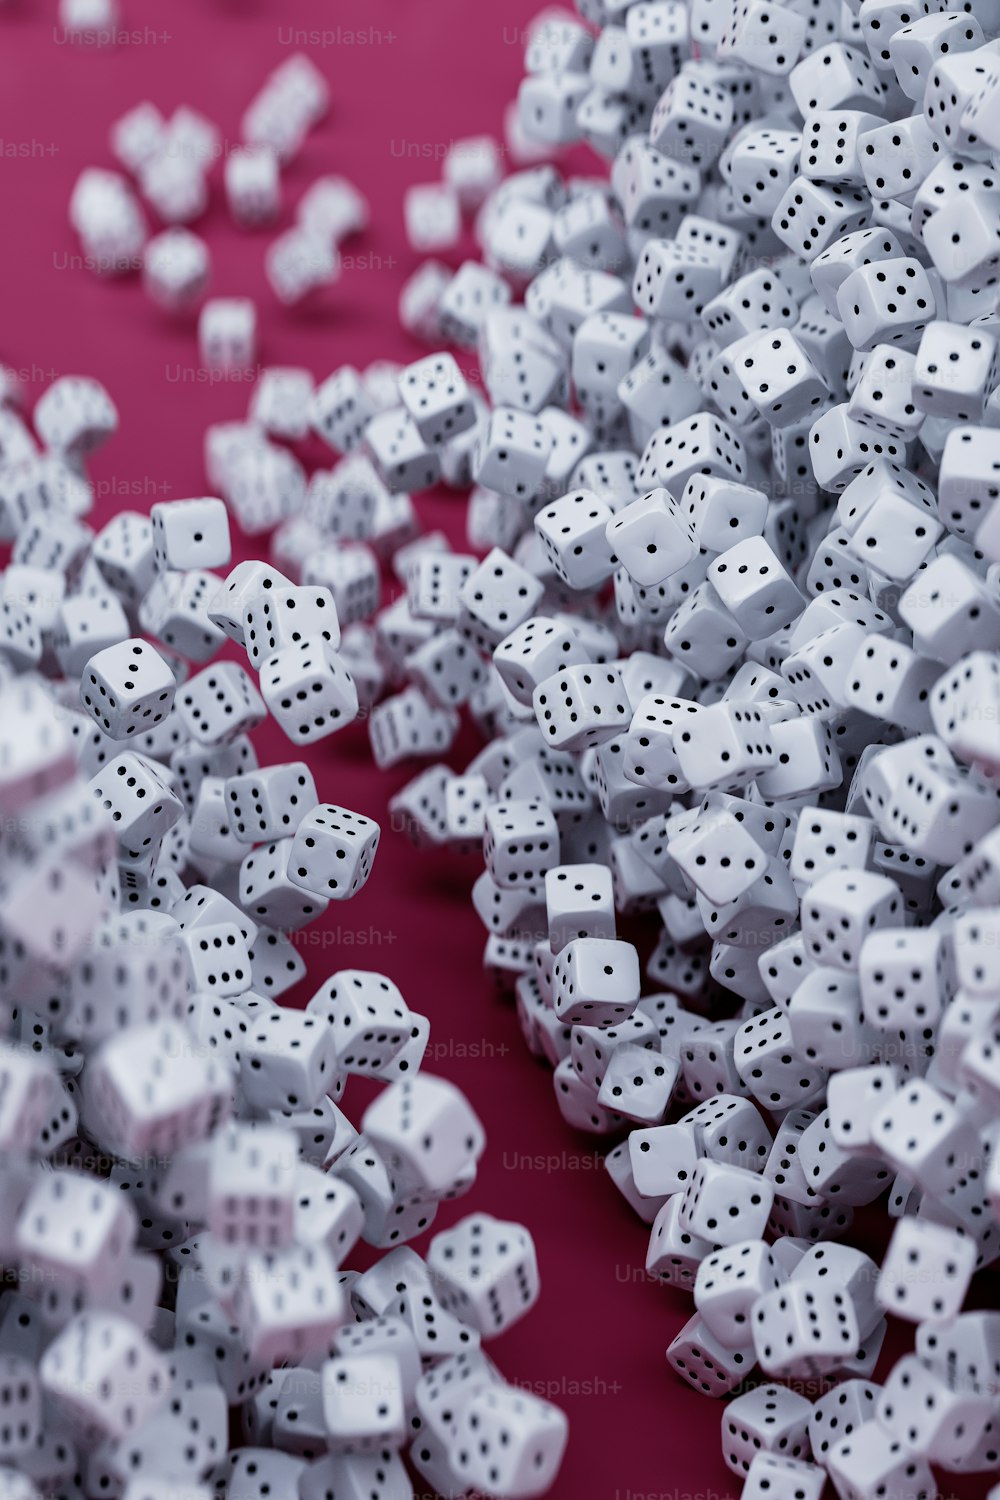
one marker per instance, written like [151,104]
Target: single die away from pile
[729,624]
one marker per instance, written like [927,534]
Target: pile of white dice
[735,645]
[181,1187]
[735,650]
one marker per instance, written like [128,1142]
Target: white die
[727,1284]
[427,1130]
[75,415]
[252,1187]
[772,1477]
[595,981]
[780,378]
[485,1272]
[725,1204]
[581,706]
[754,586]
[281,401]
[870,1461]
[370,1019]
[75,1230]
[925,1271]
[340,409]
[401,456]
[363,1407]
[282,617]
[804,1328]
[439,402]
[510,1440]
[332,851]
[432,216]
[103,1375]
[127,688]
[190,534]
[253,185]
[579,903]
[724,744]
[572,531]
[334,207]
[861,899]
[513,453]
[699,1358]
[227,333]
[308,690]
[652,537]
[176,266]
[533,651]
[298,262]
[937,1421]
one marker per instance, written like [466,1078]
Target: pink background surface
[413,78]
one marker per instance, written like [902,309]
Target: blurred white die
[227,333]
[174,185]
[341,409]
[75,416]
[871,1462]
[282,402]
[509,1442]
[175,269]
[94,19]
[433,217]
[137,135]
[253,185]
[925,1271]
[426,1130]
[940,1420]
[334,208]
[298,262]
[104,1376]
[513,453]
[363,1406]
[401,457]
[473,166]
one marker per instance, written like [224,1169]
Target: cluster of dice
[169,160]
[181,1187]
[735,645]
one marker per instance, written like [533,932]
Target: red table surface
[406,80]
